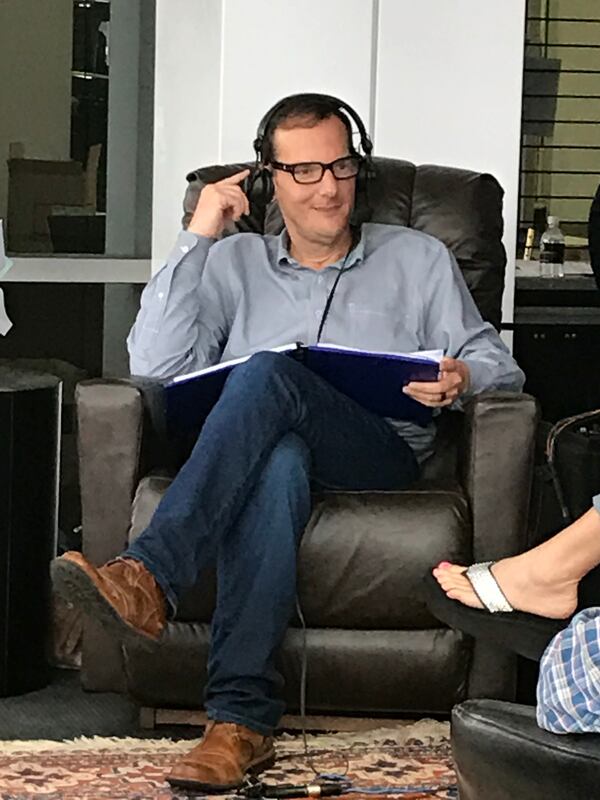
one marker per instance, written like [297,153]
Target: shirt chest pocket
[363,309]
[386,327]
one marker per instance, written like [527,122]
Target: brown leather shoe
[122,594]
[225,754]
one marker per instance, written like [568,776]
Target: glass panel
[574,33]
[560,165]
[543,32]
[562,185]
[574,134]
[580,58]
[565,108]
[580,161]
[573,9]
[580,84]
[77,69]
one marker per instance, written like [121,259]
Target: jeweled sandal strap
[486,587]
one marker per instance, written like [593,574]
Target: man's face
[319,212]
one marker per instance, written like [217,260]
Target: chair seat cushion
[349,672]
[362,557]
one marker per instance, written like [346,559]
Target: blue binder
[372,379]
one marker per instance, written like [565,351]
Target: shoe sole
[516,631]
[75,586]
[218,788]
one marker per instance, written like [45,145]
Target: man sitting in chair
[242,500]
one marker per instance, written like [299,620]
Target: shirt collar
[355,255]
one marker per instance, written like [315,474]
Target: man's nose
[328,184]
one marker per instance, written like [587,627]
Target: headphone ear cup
[258,187]
[268,187]
[362,208]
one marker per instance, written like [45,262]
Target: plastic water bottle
[552,250]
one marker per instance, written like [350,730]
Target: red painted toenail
[444,564]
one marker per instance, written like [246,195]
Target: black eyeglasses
[313,171]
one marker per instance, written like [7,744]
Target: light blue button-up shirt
[401,290]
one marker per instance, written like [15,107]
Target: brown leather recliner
[372,645]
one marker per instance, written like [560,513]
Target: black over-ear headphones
[259,185]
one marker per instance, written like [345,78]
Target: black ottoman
[29,447]
[501,754]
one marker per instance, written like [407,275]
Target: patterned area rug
[410,761]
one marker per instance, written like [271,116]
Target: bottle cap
[553,222]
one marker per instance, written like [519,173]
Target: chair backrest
[461,208]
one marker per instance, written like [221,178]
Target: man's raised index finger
[237,178]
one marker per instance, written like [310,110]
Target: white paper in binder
[5,265]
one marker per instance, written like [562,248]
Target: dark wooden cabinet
[557,343]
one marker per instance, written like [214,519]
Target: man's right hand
[218,203]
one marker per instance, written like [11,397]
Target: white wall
[186,107]
[436,81]
[307,46]
[130,153]
[220,64]
[35,80]
[449,82]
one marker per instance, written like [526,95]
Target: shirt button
[161,295]
[321,278]
[185,248]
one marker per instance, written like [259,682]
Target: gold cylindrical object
[529,244]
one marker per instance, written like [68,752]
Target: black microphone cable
[343,268]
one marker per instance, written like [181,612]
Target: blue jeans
[241,502]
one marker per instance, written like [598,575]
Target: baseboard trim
[150,718]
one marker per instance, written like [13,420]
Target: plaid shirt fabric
[568,690]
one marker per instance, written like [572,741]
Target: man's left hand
[453,381]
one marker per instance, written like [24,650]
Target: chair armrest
[116,443]
[496,459]
[111,419]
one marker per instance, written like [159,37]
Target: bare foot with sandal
[529,583]
[542,581]
[535,592]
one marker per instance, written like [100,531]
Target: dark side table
[557,341]
[30,404]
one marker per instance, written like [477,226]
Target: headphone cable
[354,241]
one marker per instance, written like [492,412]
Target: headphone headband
[336,105]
